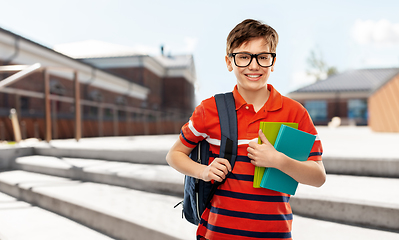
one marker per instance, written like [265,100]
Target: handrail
[15,125]
[13,68]
[82,101]
[27,70]
[19,75]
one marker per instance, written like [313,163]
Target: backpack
[198,193]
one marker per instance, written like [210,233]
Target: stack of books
[296,144]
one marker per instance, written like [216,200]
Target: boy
[237,210]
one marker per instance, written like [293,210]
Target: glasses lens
[242,59]
[265,59]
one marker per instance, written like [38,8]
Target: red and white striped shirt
[239,211]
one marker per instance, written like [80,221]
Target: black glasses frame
[252,57]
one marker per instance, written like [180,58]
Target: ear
[228,63]
[272,67]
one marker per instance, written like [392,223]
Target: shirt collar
[275,101]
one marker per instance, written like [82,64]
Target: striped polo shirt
[237,210]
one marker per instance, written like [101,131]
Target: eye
[263,57]
[243,56]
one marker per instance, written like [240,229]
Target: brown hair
[249,29]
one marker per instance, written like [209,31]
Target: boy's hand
[217,170]
[262,155]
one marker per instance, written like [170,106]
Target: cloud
[380,61]
[382,32]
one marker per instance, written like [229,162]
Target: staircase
[121,188]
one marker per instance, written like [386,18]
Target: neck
[256,98]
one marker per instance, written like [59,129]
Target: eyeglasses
[244,59]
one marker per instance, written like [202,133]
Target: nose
[253,65]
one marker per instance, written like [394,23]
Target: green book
[295,144]
[270,129]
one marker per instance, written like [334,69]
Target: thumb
[263,138]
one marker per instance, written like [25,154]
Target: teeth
[253,76]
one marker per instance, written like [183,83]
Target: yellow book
[270,129]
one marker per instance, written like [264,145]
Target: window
[121,115]
[95,95]
[57,88]
[24,103]
[108,114]
[93,111]
[357,109]
[317,109]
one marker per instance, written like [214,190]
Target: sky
[351,34]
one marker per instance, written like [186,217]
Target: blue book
[270,129]
[295,144]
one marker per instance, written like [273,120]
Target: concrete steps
[123,213]
[346,153]
[312,229]
[20,220]
[151,178]
[120,213]
[123,188]
[137,149]
[364,201]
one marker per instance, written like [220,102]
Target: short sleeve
[306,125]
[194,130]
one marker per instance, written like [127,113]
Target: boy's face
[253,77]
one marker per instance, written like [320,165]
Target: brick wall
[145,78]
[178,94]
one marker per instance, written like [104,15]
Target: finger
[263,138]
[251,156]
[218,174]
[225,163]
[221,170]
[216,177]
[221,174]
[214,173]
[250,150]
[218,168]
[252,144]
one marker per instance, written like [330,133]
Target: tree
[318,67]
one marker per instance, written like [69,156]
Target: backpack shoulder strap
[228,124]
[229,133]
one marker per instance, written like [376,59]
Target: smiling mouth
[253,75]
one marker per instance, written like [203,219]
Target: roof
[112,81]
[365,80]
[175,61]
[42,46]
[94,49]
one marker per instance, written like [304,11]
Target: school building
[113,93]
[359,97]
